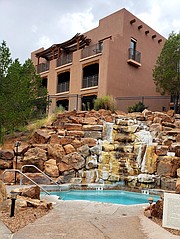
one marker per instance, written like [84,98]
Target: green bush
[106,102]
[138,107]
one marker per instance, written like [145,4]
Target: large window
[88,102]
[63,82]
[134,55]
[133,48]
[63,103]
[44,82]
[90,75]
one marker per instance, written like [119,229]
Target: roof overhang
[77,42]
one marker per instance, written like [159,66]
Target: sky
[27,25]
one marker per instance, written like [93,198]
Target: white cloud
[77,21]
[34,28]
[28,25]
[44,41]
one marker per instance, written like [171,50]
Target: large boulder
[69,148]
[6,154]
[6,164]
[30,192]
[157,209]
[40,137]
[35,156]
[51,168]
[84,150]
[56,151]
[64,167]
[168,166]
[75,160]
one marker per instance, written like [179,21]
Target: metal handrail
[16,170]
[31,165]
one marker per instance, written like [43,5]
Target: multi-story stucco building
[116,58]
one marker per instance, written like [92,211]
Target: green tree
[5,61]
[167,69]
[26,96]
[22,95]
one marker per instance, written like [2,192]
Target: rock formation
[140,149]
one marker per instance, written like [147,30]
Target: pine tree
[167,69]
[22,95]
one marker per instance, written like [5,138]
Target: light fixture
[16,145]
[13,200]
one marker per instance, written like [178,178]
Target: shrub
[138,107]
[106,102]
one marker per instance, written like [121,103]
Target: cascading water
[108,131]
[146,140]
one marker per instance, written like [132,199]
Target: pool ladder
[31,165]
[24,175]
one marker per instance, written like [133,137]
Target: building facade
[116,59]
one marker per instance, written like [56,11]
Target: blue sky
[27,25]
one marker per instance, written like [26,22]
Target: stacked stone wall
[141,149]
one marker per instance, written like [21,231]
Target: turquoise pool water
[108,196]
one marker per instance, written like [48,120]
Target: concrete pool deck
[90,220]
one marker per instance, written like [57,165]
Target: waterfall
[97,175]
[146,139]
[139,156]
[108,131]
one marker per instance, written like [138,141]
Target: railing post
[77,102]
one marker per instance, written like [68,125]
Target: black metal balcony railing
[90,81]
[64,59]
[134,55]
[91,50]
[43,67]
[63,87]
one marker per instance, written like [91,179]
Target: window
[63,82]
[134,55]
[90,75]
[133,48]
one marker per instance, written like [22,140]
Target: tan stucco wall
[116,76]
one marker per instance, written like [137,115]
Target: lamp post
[13,201]
[16,145]
[150,200]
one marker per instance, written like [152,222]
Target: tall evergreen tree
[5,61]
[22,95]
[167,69]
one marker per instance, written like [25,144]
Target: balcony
[134,57]
[42,67]
[63,87]
[64,59]
[90,81]
[91,50]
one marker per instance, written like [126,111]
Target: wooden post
[78,43]
[59,52]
